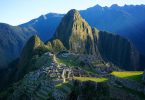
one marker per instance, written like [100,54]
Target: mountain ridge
[109,19]
[134,33]
[12,40]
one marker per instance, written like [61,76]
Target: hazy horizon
[17,12]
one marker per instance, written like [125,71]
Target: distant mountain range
[45,25]
[12,40]
[127,21]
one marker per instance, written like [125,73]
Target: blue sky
[15,12]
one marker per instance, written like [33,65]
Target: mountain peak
[35,40]
[73,11]
[114,6]
[73,31]
[98,6]
[74,14]
[34,47]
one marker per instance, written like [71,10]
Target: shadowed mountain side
[12,40]
[45,25]
[117,49]
[33,49]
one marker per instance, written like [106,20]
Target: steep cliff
[116,49]
[75,33]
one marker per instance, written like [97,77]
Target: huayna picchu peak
[79,37]
[77,61]
[75,33]
[74,14]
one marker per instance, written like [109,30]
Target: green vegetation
[49,46]
[67,62]
[32,51]
[57,46]
[60,85]
[65,87]
[131,75]
[98,63]
[73,61]
[91,79]
[89,69]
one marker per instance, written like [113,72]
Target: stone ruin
[61,72]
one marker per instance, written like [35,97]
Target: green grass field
[132,75]
[91,79]
[68,62]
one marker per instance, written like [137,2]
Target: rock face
[75,33]
[77,36]
[12,40]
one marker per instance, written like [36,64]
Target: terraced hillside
[62,80]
